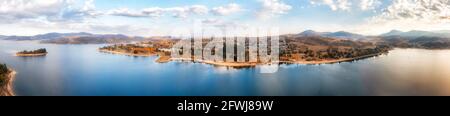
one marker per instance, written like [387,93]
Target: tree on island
[38,51]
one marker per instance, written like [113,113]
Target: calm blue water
[81,70]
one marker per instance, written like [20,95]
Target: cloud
[420,10]
[347,5]
[226,10]
[218,23]
[127,13]
[272,8]
[333,4]
[211,21]
[183,12]
[177,12]
[369,4]
[133,30]
[21,9]
[153,12]
[73,13]
[50,10]
[410,15]
[213,26]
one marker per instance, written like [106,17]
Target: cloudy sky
[160,17]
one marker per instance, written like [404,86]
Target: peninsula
[293,50]
[141,49]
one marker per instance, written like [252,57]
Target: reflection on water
[82,70]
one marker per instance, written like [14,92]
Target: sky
[163,17]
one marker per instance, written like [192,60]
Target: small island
[6,79]
[38,52]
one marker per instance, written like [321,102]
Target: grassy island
[6,78]
[38,52]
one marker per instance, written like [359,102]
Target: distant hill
[61,35]
[416,33]
[18,38]
[339,35]
[309,33]
[417,39]
[392,33]
[75,38]
[47,36]
[442,31]
[93,39]
[3,37]
[327,41]
[394,38]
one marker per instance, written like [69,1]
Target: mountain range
[339,34]
[417,39]
[416,34]
[394,33]
[74,38]
[410,39]
[307,33]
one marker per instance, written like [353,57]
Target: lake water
[81,70]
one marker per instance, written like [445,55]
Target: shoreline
[229,64]
[128,54]
[333,61]
[161,59]
[253,64]
[165,59]
[7,89]
[30,55]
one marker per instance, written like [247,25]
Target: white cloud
[421,10]
[333,4]
[51,10]
[153,12]
[73,13]
[272,8]
[183,12]
[347,5]
[211,21]
[198,9]
[178,12]
[127,13]
[226,10]
[410,15]
[369,4]
[132,30]
[217,26]
[19,9]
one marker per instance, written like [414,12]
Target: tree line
[38,51]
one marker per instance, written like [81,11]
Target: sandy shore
[161,59]
[230,64]
[332,61]
[7,88]
[123,53]
[31,55]
[252,64]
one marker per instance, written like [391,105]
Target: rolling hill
[417,39]
[339,35]
[74,38]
